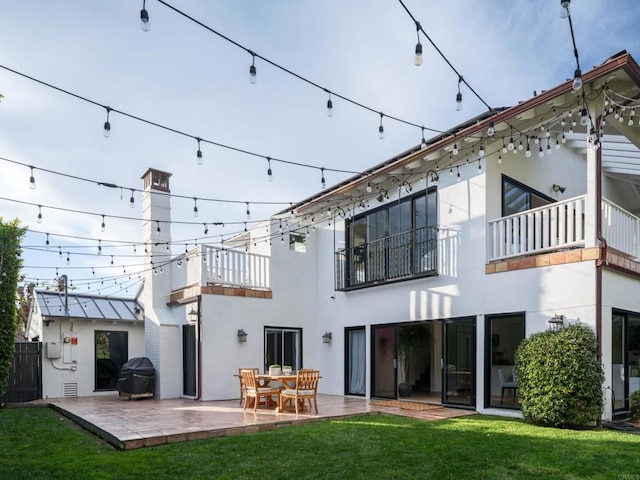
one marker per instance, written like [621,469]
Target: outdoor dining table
[288,381]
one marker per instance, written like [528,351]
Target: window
[503,335]
[111,351]
[283,346]
[394,242]
[297,242]
[517,197]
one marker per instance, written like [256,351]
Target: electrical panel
[53,350]
[69,348]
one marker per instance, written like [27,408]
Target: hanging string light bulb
[511,144]
[32,180]
[248,212]
[323,181]
[99,247]
[39,220]
[195,207]
[144,18]
[459,95]
[423,142]
[369,188]
[455,149]
[577,80]
[631,115]
[253,72]
[527,153]
[199,152]
[417,60]
[491,129]
[329,105]
[47,241]
[481,150]
[103,227]
[564,8]
[584,117]
[132,201]
[107,126]
[269,172]
[381,128]
[540,151]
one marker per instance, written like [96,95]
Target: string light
[323,181]
[527,153]
[499,159]
[47,241]
[381,128]
[491,129]
[144,18]
[481,151]
[132,200]
[107,126]
[32,180]
[459,95]
[458,175]
[564,8]
[253,72]
[630,122]
[417,60]
[329,106]
[269,171]
[39,220]
[423,142]
[584,117]
[195,207]
[455,149]
[103,226]
[369,189]
[248,212]
[206,229]
[99,247]
[577,80]
[157,229]
[540,151]
[199,152]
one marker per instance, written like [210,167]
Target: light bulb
[417,60]
[540,152]
[107,129]
[499,158]
[144,20]
[491,130]
[39,217]
[269,174]
[528,152]
[564,8]
[369,189]
[481,151]
[511,145]
[32,181]
[381,132]
[132,201]
[504,148]
[253,74]
[577,80]
[455,149]
[584,118]
[329,108]
[458,102]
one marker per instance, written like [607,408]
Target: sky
[182,76]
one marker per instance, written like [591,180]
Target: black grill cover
[136,376]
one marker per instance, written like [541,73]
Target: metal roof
[90,307]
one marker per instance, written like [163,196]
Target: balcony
[394,258]
[206,265]
[561,226]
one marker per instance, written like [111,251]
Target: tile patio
[129,424]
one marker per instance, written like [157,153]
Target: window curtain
[357,362]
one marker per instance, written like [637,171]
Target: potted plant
[274,369]
[411,338]
[286,369]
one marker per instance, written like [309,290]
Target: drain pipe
[198,335]
[602,261]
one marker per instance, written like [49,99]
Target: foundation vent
[70,390]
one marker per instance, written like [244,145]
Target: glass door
[625,361]
[355,375]
[459,362]
[189,360]
[384,380]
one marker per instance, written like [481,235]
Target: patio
[130,424]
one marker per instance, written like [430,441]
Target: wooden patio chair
[255,391]
[306,389]
[242,387]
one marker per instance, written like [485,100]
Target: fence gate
[25,377]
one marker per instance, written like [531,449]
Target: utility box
[53,350]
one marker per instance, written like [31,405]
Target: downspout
[602,260]
[198,336]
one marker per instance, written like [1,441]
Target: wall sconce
[47,322]
[242,336]
[558,188]
[556,323]
[326,338]
[192,316]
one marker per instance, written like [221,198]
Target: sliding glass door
[459,361]
[384,381]
[625,363]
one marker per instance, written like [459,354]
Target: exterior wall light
[556,323]
[326,338]
[558,188]
[242,336]
[192,316]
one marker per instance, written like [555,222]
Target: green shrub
[634,406]
[560,378]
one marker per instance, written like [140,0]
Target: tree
[560,377]
[10,263]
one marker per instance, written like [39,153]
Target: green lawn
[39,443]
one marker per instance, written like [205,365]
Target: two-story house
[522,219]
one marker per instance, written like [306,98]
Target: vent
[70,390]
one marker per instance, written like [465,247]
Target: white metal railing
[620,228]
[210,265]
[547,228]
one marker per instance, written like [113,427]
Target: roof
[90,307]
[619,74]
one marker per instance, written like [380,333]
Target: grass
[38,443]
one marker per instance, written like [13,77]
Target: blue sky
[184,77]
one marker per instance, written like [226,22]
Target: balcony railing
[393,258]
[207,265]
[558,226]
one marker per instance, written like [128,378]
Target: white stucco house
[514,222]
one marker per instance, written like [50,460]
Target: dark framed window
[503,335]
[394,242]
[283,346]
[517,197]
[111,352]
